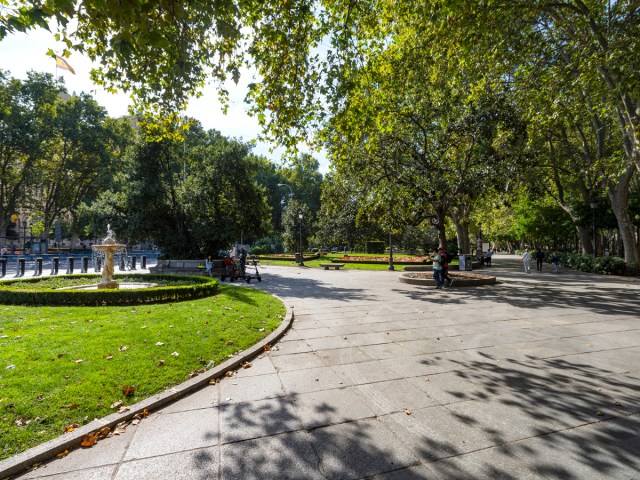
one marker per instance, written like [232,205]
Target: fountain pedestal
[109,247]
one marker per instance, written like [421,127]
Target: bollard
[38,269]
[70,262]
[133,263]
[55,265]
[143,262]
[21,263]
[85,265]
[3,267]
[98,264]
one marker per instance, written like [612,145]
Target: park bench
[336,266]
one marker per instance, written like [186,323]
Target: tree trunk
[586,239]
[460,217]
[441,227]
[619,197]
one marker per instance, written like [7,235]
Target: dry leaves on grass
[71,428]
[128,391]
[123,348]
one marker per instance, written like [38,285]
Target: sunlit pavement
[535,377]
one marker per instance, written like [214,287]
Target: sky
[22,52]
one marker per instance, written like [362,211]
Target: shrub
[610,266]
[374,247]
[199,287]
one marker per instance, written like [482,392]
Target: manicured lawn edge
[67,441]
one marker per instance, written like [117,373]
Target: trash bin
[468,263]
[465,263]
[298,258]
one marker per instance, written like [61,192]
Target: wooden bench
[336,266]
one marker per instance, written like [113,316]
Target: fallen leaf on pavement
[246,365]
[63,454]
[407,411]
[120,428]
[89,440]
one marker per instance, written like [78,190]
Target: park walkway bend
[537,377]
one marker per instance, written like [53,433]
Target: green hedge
[602,265]
[374,246]
[199,287]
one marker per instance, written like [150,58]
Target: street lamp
[594,205]
[301,254]
[285,185]
[290,196]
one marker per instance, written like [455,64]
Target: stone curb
[21,462]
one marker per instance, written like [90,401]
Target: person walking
[436,258]
[526,260]
[539,259]
[446,280]
[208,265]
[555,260]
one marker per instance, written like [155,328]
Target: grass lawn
[66,365]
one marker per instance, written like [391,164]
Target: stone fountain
[109,247]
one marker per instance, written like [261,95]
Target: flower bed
[371,260]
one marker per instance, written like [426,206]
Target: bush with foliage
[602,265]
[374,247]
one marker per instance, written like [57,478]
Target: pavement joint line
[47,451]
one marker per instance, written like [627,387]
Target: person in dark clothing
[445,267]
[539,259]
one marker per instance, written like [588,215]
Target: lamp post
[301,254]
[594,206]
[24,220]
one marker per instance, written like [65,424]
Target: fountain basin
[460,279]
[122,285]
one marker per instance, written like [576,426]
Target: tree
[197,198]
[25,127]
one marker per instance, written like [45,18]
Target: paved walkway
[537,377]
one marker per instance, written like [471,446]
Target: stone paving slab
[535,377]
